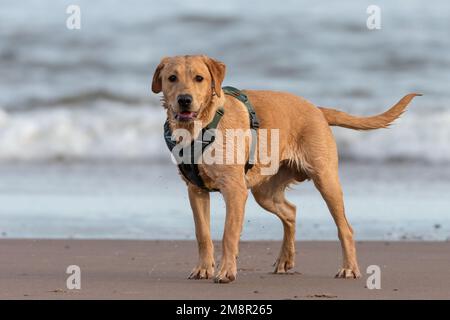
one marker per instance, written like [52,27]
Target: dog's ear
[217,71]
[157,81]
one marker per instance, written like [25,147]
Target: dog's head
[189,84]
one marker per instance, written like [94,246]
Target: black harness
[206,137]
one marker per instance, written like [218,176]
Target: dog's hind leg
[329,186]
[199,200]
[270,196]
[320,152]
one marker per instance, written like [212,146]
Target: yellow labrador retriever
[306,149]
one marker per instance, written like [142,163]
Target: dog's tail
[383,120]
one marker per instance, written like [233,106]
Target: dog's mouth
[185,116]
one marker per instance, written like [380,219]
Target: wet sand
[119,269]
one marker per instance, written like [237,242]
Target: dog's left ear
[217,71]
[157,81]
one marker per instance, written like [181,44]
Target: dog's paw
[284,263]
[226,274]
[202,271]
[348,273]
[283,266]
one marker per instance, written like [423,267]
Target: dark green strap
[241,96]
[215,121]
[254,121]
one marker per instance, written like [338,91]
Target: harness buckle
[254,122]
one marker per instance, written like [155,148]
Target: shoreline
[139,269]
[121,201]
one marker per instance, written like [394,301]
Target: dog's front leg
[199,200]
[235,195]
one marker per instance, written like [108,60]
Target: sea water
[81,146]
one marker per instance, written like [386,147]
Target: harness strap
[254,122]
[190,170]
[241,96]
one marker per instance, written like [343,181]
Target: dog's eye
[198,78]
[173,78]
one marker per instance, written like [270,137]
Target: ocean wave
[113,130]
[209,21]
[101,131]
[414,137]
[80,99]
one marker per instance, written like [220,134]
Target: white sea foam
[112,131]
[115,131]
[414,137]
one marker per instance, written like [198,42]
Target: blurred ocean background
[81,146]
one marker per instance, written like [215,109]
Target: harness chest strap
[190,170]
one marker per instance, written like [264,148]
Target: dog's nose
[184,100]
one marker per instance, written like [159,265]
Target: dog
[192,93]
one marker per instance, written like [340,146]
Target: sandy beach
[120,269]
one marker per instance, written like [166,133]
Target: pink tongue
[187,114]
